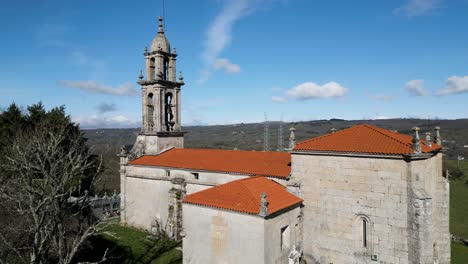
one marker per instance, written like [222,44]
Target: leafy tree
[454,171]
[44,161]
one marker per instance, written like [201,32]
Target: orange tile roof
[274,164]
[244,196]
[364,139]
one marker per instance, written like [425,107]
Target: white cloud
[455,85]
[382,117]
[310,90]
[226,65]
[219,33]
[279,99]
[120,119]
[417,7]
[94,87]
[415,87]
[95,121]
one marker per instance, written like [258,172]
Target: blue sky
[302,59]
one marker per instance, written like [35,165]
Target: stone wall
[428,210]
[276,250]
[220,236]
[341,192]
[217,236]
[146,191]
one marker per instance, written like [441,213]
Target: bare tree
[42,169]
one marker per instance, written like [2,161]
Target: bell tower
[160,91]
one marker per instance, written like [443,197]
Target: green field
[131,246]
[459,214]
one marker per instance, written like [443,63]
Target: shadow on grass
[147,251]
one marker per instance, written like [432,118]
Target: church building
[363,194]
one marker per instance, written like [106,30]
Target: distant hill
[250,137]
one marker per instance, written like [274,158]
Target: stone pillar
[437,138]
[178,124]
[172,69]
[416,144]
[144,126]
[292,138]
[161,111]
[420,226]
[159,65]
[123,184]
[174,219]
[157,110]
[263,205]
[149,69]
[420,247]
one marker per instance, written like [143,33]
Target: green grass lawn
[459,214]
[131,246]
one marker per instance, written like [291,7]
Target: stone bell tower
[160,91]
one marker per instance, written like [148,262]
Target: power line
[266,143]
[280,135]
[164,14]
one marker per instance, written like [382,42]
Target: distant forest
[107,142]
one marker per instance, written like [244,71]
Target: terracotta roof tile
[364,139]
[244,196]
[274,164]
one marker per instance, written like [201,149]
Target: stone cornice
[165,133]
[165,83]
[365,155]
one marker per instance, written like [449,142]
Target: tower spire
[161,99]
[160,25]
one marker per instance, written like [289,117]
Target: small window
[285,238]
[195,175]
[364,233]
[168,173]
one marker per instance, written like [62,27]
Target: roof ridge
[326,135]
[392,138]
[227,150]
[247,188]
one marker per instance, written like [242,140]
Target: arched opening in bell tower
[169,116]
[150,111]
[152,68]
[166,69]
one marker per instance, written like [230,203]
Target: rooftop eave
[211,171]
[268,216]
[415,156]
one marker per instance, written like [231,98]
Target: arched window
[365,228]
[169,116]
[152,67]
[166,69]
[149,111]
[362,233]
